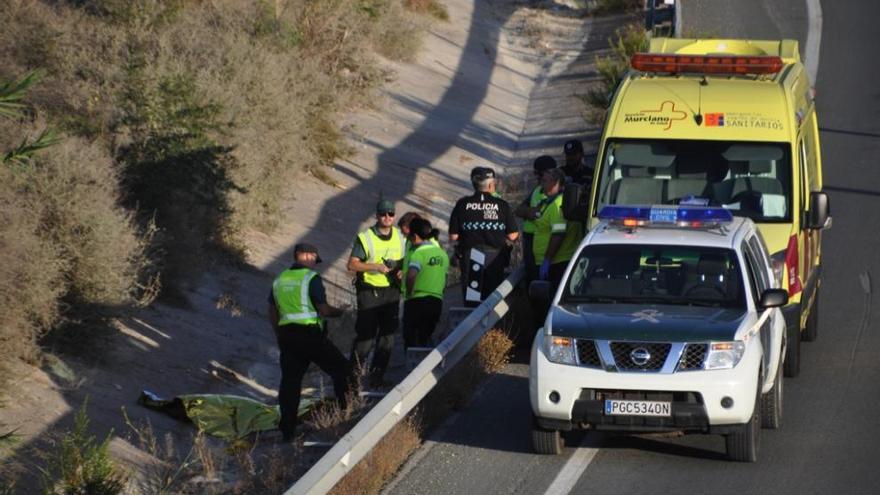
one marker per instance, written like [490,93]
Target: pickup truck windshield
[651,274]
[750,179]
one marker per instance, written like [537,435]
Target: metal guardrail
[351,448]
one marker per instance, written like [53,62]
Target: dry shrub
[253,87]
[430,7]
[75,188]
[30,274]
[381,464]
[494,350]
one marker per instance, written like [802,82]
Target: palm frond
[12,92]
[22,153]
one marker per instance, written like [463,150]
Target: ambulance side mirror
[539,291]
[820,211]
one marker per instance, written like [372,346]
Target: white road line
[814,38]
[572,471]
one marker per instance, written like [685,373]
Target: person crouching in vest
[297,306]
[376,257]
[425,281]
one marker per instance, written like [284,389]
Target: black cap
[544,162]
[573,146]
[482,173]
[305,247]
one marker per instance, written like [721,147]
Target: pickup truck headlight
[560,349]
[724,355]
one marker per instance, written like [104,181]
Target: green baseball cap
[385,206]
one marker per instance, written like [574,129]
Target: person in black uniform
[485,223]
[578,183]
[576,169]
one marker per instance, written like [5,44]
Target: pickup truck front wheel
[742,446]
[546,442]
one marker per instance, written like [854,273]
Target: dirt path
[468,100]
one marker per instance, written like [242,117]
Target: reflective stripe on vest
[379,250]
[291,293]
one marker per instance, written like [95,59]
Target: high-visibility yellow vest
[291,292]
[379,250]
[535,198]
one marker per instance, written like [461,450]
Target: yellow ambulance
[728,123]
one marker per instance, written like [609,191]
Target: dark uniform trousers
[493,273]
[420,318]
[300,346]
[377,320]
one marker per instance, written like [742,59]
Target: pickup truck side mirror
[820,211]
[773,298]
[539,291]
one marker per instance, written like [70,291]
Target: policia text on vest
[375,257]
[297,306]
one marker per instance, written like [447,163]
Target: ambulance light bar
[706,64]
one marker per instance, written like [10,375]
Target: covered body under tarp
[229,417]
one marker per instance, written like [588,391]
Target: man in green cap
[375,257]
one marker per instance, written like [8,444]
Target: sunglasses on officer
[385,214]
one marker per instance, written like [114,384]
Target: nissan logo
[639,356]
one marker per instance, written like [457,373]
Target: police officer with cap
[576,169]
[376,257]
[579,182]
[530,210]
[484,228]
[297,308]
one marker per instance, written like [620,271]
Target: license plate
[637,408]
[663,215]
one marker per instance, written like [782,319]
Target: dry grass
[454,390]
[433,8]
[382,463]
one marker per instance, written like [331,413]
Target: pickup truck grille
[693,356]
[627,355]
[588,356]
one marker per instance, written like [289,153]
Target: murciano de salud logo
[663,116]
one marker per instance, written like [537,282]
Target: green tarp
[229,417]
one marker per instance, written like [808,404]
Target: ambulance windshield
[750,179]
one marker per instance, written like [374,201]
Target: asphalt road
[830,438]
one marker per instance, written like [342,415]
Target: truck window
[751,179]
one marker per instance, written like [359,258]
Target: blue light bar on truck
[680,216]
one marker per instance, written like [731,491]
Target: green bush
[175,172]
[629,40]
[81,465]
[605,7]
